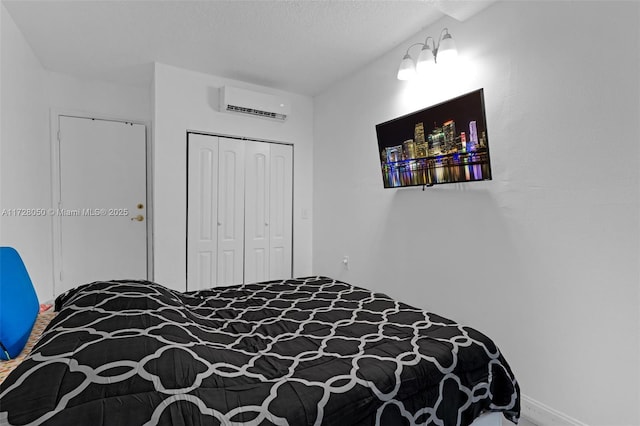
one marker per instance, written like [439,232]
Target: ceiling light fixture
[442,52]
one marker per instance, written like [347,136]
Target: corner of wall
[25,169]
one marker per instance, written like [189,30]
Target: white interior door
[281,212]
[103,202]
[239,211]
[202,212]
[256,250]
[230,212]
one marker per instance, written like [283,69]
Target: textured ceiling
[299,46]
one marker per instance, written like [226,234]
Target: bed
[308,351]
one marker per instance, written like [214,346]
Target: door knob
[139,218]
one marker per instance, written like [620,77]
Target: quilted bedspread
[310,351]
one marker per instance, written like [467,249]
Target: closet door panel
[230,212]
[256,251]
[240,197]
[281,212]
[202,238]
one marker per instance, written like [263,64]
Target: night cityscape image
[445,143]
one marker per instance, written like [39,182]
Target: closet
[239,211]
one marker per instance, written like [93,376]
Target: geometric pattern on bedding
[310,351]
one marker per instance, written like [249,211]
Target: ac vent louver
[251,111]
[257,104]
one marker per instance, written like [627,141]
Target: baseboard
[543,415]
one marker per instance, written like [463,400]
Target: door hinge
[59,136]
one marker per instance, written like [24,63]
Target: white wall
[188,101]
[543,258]
[24,155]
[29,95]
[69,94]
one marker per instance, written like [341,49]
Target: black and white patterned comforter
[311,351]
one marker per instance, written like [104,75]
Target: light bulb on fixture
[407,68]
[443,52]
[447,51]
[426,59]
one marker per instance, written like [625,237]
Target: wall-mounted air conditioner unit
[258,104]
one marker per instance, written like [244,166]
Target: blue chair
[18,304]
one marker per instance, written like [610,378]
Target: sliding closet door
[239,211]
[268,211]
[257,212]
[230,211]
[202,212]
[281,212]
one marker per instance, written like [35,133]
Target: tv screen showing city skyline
[444,143]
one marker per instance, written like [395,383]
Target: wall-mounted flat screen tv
[444,143]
